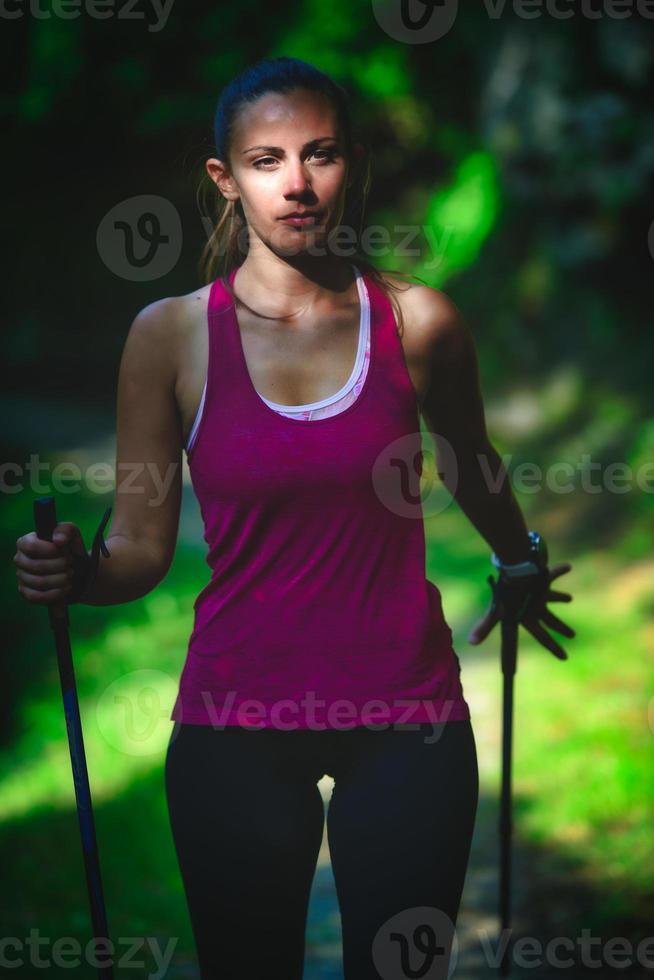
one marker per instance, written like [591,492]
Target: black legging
[247,820]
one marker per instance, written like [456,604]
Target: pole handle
[45,517]
[45,521]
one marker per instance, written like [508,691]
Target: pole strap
[85,568]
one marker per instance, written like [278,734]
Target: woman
[293,383]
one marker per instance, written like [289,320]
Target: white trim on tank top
[364,331]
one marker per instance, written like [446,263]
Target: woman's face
[287,155]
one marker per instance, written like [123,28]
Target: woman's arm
[146,509]
[453,411]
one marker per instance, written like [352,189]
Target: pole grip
[45,521]
[45,517]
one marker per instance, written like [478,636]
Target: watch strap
[524,568]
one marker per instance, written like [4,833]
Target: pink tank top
[318,613]
[334,403]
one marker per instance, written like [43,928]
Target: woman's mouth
[302,222]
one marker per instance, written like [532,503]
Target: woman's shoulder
[423,301]
[430,316]
[166,325]
[184,312]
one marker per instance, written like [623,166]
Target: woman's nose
[297,180]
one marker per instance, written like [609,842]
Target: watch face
[539,548]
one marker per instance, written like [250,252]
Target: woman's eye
[328,155]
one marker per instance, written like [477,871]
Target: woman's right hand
[44,569]
[537,612]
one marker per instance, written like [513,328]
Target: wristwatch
[537,561]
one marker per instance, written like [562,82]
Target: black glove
[518,595]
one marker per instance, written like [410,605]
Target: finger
[68,537]
[42,565]
[44,598]
[42,583]
[547,641]
[35,547]
[481,629]
[553,596]
[556,624]
[557,570]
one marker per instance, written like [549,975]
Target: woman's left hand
[531,621]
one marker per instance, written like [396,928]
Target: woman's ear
[222,178]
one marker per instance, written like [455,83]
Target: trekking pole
[519,593]
[45,521]
[509,656]
[517,586]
